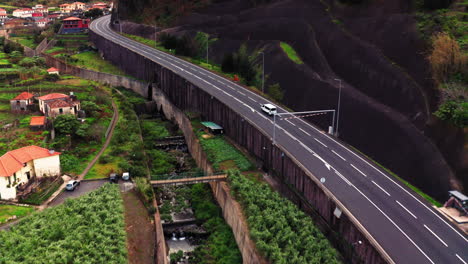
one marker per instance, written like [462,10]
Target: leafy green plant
[282,232]
[89,229]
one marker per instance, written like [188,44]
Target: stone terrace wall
[297,184]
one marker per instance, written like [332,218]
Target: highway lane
[408,229]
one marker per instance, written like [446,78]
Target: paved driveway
[85,187]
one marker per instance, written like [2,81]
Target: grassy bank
[7,211]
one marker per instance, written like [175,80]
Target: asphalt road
[83,188]
[405,226]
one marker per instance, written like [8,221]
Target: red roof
[52,69]
[37,121]
[59,103]
[37,15]
[13,160]
[23,96]
[53,96]
[71,19]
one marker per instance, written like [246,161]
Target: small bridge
[186,178]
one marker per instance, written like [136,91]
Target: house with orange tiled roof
[20,167]
[22,102]
[54,104]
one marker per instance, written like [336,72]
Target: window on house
[61,111]
[18,102]
[14,177]
[9,180]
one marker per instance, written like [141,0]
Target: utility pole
[263,71]
[338,112]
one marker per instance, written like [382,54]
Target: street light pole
[339,103]
[207,42]
[263,71]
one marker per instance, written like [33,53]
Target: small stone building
[55,104]
[22,102]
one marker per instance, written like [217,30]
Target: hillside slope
[387,92]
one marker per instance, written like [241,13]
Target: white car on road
[269,109]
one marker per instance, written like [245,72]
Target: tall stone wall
[232,211]
[297,183]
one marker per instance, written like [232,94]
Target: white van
[269,109]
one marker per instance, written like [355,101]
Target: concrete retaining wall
[232,211]
[297,184]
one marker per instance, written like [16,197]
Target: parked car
[125,176]
[71,185]
[269,109]
[114,178]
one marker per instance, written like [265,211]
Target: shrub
[276,92]
[282,232]
[455,112]
[446,58]
[105,159]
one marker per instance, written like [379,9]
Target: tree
[276,92]
[446,58]
[66,124]
[94,13]
[90,107]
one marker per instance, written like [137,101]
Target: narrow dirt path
[140,230]
[114,121]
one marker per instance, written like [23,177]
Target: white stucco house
[20,166]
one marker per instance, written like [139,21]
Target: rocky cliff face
[387,92]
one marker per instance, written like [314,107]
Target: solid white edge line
[338,155]
[381,188]
[460,259]
[358,170]
[406,209]
[390,179]
[389,219]
[445,244]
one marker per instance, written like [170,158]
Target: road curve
[404,225]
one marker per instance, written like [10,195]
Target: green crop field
[89,229]
[280,230]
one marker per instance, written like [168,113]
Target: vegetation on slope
[291,53]
[89,229]
[220,246]
[282,232]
